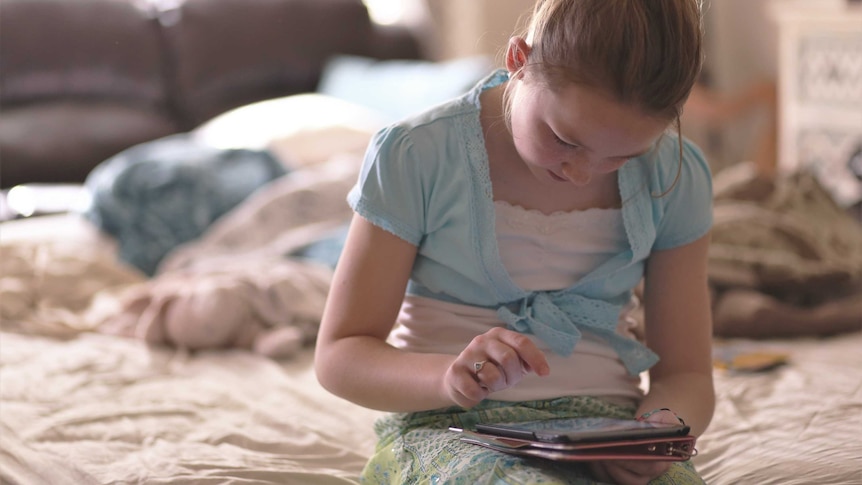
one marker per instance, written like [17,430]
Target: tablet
[583,430]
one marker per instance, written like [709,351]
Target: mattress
[107,409]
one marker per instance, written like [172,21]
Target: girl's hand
[496,360]
[624,472]
[634,472]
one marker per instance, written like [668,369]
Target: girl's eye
[563,143]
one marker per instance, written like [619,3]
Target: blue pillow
[399,88]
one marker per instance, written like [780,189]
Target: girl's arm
[353,360]
[679,330]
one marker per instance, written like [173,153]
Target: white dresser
[820,93]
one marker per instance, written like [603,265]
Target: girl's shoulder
[443,132]
[666,169]
[680,192]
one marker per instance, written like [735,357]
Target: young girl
[497,238]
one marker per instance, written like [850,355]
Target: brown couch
[82,80]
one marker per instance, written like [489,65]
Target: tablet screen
[583,429]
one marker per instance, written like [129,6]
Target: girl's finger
[491,377]
[663,416]
[509,366]
[533,358]
[622,476]
[648,469]
[635,472]
[466,391]
[599,471]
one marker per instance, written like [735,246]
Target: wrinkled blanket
[287,215]
[786,236]
[238,285]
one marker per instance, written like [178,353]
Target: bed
[89,399]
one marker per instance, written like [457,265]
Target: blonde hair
[646,53]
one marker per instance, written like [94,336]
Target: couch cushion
[63,142]
[102,49]
[227,54]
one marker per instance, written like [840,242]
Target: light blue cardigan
[426,180]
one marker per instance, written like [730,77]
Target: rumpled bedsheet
[50,288]
[110,410]
[250,281]
[799,424]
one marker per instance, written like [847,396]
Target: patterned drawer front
[830,69]
[829,153]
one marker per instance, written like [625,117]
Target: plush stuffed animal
[272,307]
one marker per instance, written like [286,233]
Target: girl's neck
[513,182]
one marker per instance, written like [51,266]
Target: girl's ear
[516,55]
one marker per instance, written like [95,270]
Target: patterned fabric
[418,448]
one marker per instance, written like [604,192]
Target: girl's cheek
[613,166]
[540,155]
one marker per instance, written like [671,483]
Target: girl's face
[576,134]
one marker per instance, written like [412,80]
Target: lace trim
[519,218]
[482,198]
[558,214]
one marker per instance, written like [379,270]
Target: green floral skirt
[418,448]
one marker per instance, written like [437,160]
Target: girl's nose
[578,173]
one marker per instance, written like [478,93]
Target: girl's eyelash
[563,143]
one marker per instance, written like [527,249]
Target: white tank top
[540,252]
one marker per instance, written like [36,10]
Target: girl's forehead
[575,101]
[590,116]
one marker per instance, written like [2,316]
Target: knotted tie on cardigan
[557,319]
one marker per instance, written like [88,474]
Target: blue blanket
[159,194]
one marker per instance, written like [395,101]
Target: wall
[475,27]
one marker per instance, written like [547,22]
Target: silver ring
[477,366]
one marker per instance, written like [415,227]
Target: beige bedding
[104,409]
[80,406]
[800,424]
[111,410]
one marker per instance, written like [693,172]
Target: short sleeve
[686,209]
[389,192]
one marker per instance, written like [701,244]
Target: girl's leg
[417,448]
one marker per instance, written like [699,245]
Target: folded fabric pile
[785,258]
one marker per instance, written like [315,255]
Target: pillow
[255,126]
[399,88]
